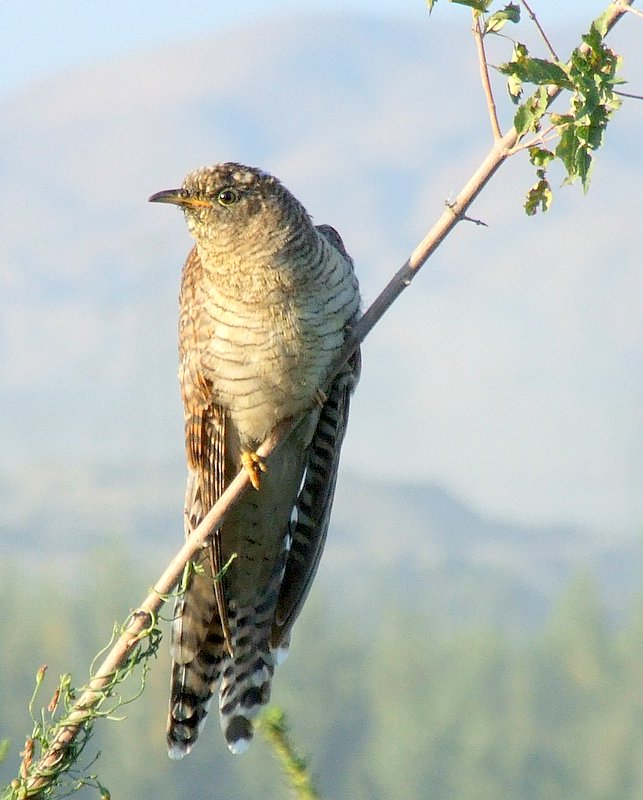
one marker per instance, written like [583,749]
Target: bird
[267,302]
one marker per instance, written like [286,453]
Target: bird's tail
[201,656]
[247,674]
[198,651]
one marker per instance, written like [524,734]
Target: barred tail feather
[247,675]
[191,689]
[245,686]
[197,652]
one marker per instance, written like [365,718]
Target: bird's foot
[320,397]
[254,465]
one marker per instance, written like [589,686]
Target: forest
[403,706]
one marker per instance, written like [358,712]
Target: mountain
[391,546]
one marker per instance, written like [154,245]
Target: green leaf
[529,114]
[566,150]
[539,196]
[478,5]
[593,38]
[430,4]
[523,120]
[538,71]
[584,164]
[497,21]
[514,87]
[575,155]
[540,157]
[514,83]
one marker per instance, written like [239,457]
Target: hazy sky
[40,37]
[531,406]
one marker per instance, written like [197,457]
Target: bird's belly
[262,379]
[255,527]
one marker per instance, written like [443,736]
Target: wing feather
[314,502]
[205,444]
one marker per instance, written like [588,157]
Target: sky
[41,37]
[60,43]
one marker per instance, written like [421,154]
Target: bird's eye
[227,197]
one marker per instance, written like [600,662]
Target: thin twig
[44,773]
[626,7]
[534,19]
[628,94]
[274,728]
[484,77]
[544,137]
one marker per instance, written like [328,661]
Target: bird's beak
[178,197]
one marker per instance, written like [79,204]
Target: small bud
[27,757]
[53,705]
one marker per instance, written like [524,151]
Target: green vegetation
[408,709]
[590,78]
[275,729]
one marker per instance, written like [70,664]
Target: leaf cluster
[590,77]
[495,21]
[590,80]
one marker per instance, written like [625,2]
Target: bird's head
[227,204]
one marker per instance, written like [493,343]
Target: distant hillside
[391,546]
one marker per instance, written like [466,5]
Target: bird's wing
[205,435]
[200,629]
[314,502]
[335,239]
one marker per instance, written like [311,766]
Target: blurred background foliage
[407,706]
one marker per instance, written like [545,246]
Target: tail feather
[247,675]
[191,693]
[200,660]
[194,612]
[198,654]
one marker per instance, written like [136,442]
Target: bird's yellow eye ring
[227,196]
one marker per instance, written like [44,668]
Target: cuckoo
[267,299]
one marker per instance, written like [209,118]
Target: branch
[542,33]
[484,76]
[626,7]
[43,774]
[53,762]
[629,94]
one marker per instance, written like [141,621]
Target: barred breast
[266,354]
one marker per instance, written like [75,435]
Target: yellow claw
[320,397]
[254,465]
